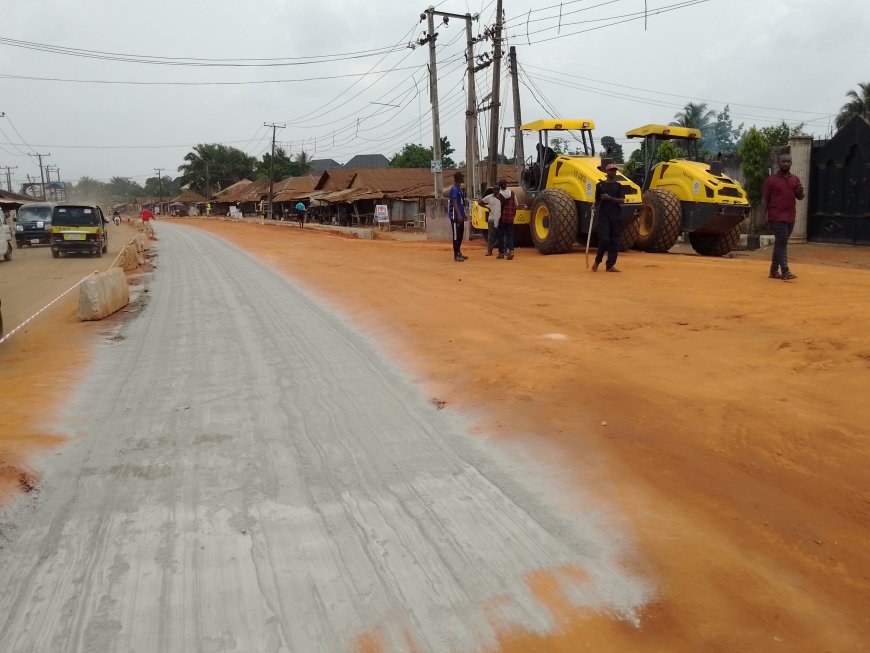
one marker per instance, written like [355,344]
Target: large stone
[102,294]
[129,259]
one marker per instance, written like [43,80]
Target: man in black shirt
[609,198]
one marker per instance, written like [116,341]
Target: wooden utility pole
[159,172]
[9,170]
[519,150]
[272,165]
[41,171]
[496,94]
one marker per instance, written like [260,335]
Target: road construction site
[295,441]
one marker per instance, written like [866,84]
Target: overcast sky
[770,59]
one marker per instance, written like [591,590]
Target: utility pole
[48,170]
[272,165]
[41,171]
[504,131]
[9,170]
[519,151]
[496,94]
[471,116]
[159,172]
[430,37]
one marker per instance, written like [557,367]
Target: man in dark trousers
[609,198]
[456,215]
[506,219]
[778,209]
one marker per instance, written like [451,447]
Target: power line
[193,61]
[234,83]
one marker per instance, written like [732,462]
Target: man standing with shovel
[609,198]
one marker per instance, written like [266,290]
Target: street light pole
[271,166]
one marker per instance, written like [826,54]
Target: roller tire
[628,237]
[662,221]
[561,222]
[523,236]
[8,255]
[716,244]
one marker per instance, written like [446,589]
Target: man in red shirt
[778,201]
[147,216]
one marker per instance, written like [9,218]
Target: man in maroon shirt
[778,200]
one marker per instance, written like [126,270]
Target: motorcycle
[116,219]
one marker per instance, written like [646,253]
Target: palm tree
[858,105]
[303,162]
[212,165]
[695,115]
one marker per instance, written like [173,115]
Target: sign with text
[382,213]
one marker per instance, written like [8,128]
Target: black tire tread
[669,223]
[716,244]
[563,222]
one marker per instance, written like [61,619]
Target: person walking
[300,214]
[147,216]
[493,214]
[456,215]
[506,224]
[778,209]
[609,198]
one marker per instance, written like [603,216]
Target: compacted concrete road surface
[246,472]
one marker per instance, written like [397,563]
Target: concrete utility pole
[272,165]
[41,171]
[9,170]
[519,150]
[430,37]
[496,94]
[471,116]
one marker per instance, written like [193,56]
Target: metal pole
[496,94]
[519,151]
[9,170]
[41,171]
[470,116]
[433,96]
[159,172]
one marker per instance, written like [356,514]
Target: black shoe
[500,256]
[788,276]
[463,256]
[489,252]
[595,266]
[612,268]
[775,275]
[510,255]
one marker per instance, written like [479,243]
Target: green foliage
[616,153]
[724,137]
[166,187]
[88,190]
[778,135]
[283,165]
[697,116]
[123,189]
[858,105]
[754,154]
[417,156]
[635,161]
[665,152]
[559,145]
[216,166]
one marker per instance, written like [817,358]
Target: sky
[769,59]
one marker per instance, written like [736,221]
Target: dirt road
[725,502]
[33,278]
[252,475]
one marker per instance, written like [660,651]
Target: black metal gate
[839,197]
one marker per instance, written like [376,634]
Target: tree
[696,116]
[165,187]
[417,156]
[123,189]
[88,190]
[754,154]
[724,137]
[302,163]
[216,166]
[635,161]
[665,151]
[778,135]
[608,142]
[283,165]
[858,105]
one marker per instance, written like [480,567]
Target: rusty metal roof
[221,195]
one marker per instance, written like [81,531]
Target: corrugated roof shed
[231,190]
[333,180]
[189,197]
[367,161]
